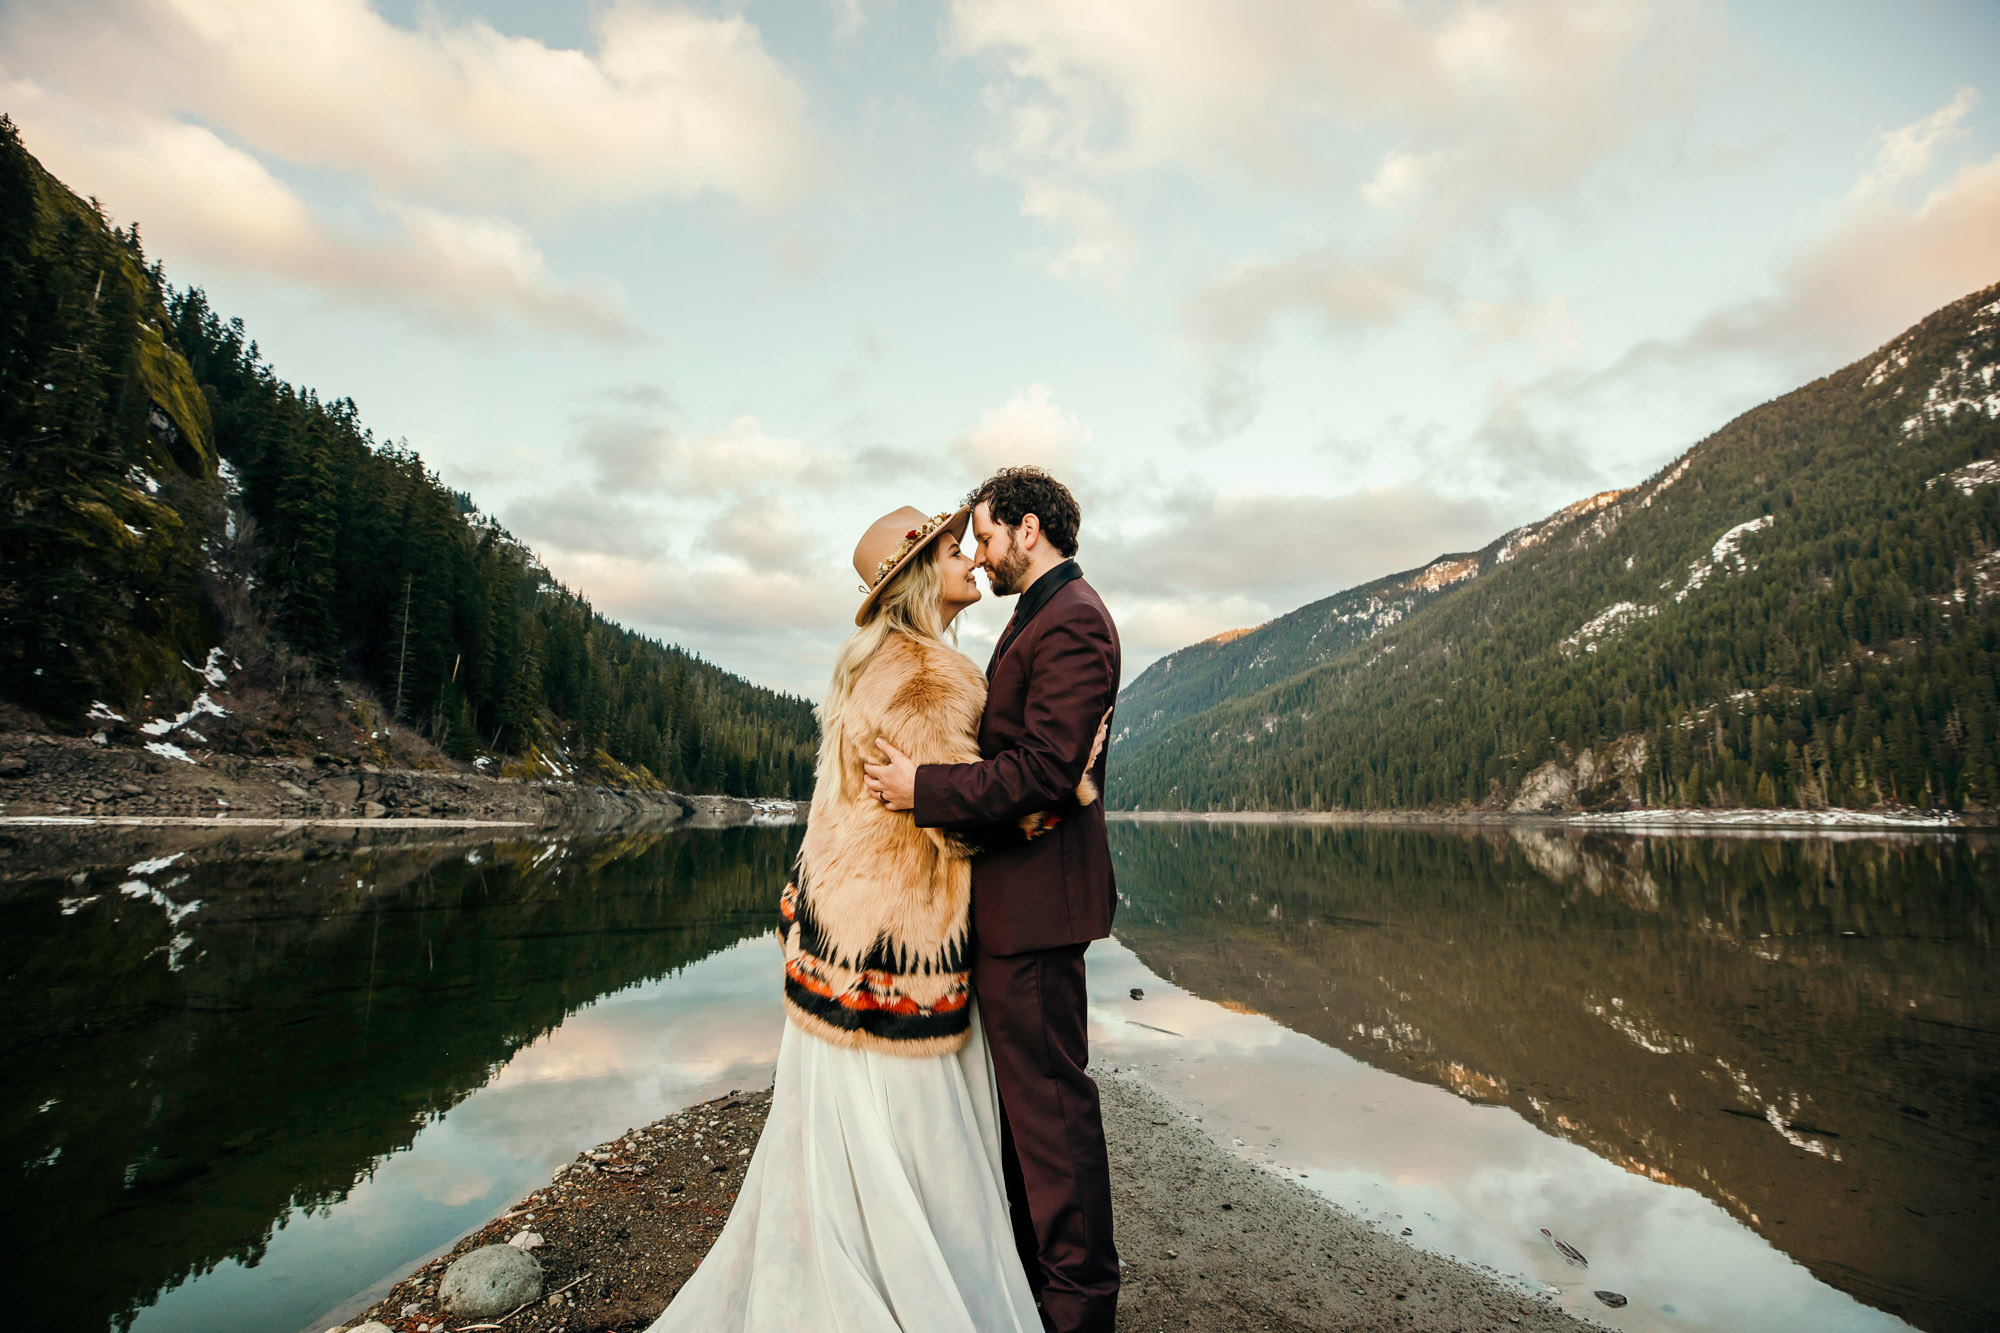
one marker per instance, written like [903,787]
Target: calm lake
[248,1077]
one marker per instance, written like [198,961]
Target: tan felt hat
[892,540]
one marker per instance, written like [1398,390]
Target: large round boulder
[490,1281]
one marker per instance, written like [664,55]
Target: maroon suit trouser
[1036,1017]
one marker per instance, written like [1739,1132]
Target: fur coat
[876,923]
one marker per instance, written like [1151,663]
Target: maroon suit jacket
[1047,688]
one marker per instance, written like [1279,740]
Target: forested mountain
[1803,610]
[170,507]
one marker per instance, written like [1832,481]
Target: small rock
[1613,1299]
[1138,994]
[490,1281]
[372,1326]
[526,1240]
[132,789]
[12,766]
[1571,1255]
[99,794]
[373,809]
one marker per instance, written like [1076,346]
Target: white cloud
[1548,328]
[1121,86]
[776,627]
[645,454]
[1473,105]
[1400,178]
[1904,155]
[1031,427]
[669,101]
[1101,247]
[195,194]
[1877,268]
[1342,292]
[767,534]
[1535,90]
[1230,318]
[849,18]
[576,522]
[1883,268]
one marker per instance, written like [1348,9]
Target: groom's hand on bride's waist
[893,783]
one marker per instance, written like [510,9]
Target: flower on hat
[910,538]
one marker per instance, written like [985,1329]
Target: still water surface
[1754,1078]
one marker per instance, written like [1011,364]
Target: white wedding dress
[873,1204]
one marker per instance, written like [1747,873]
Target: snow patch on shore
[1671,818]
[160,726]
[210,670]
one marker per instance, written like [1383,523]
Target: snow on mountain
[1724,555]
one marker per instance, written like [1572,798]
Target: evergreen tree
[119,398]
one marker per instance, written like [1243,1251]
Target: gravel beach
[1211,1244]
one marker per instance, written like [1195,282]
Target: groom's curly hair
[1013,493]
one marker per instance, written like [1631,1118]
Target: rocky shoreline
[47,776]
[1652,820]
[1210,1243]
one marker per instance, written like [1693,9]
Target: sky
[1292,295]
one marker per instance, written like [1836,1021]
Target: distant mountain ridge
[1239,661]
[1798,611]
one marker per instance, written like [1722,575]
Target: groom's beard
[1007,576]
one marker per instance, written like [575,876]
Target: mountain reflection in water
[175,1089]
[1803,1030]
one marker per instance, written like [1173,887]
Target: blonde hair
[909,605]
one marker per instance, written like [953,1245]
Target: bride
[874,1201]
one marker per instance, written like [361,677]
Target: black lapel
[1032,601]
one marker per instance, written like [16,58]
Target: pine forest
[1802,611]
[166,493]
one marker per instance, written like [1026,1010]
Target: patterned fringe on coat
[872,1005]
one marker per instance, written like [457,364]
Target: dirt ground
[1210,1243]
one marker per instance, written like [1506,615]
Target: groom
[1037,901]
